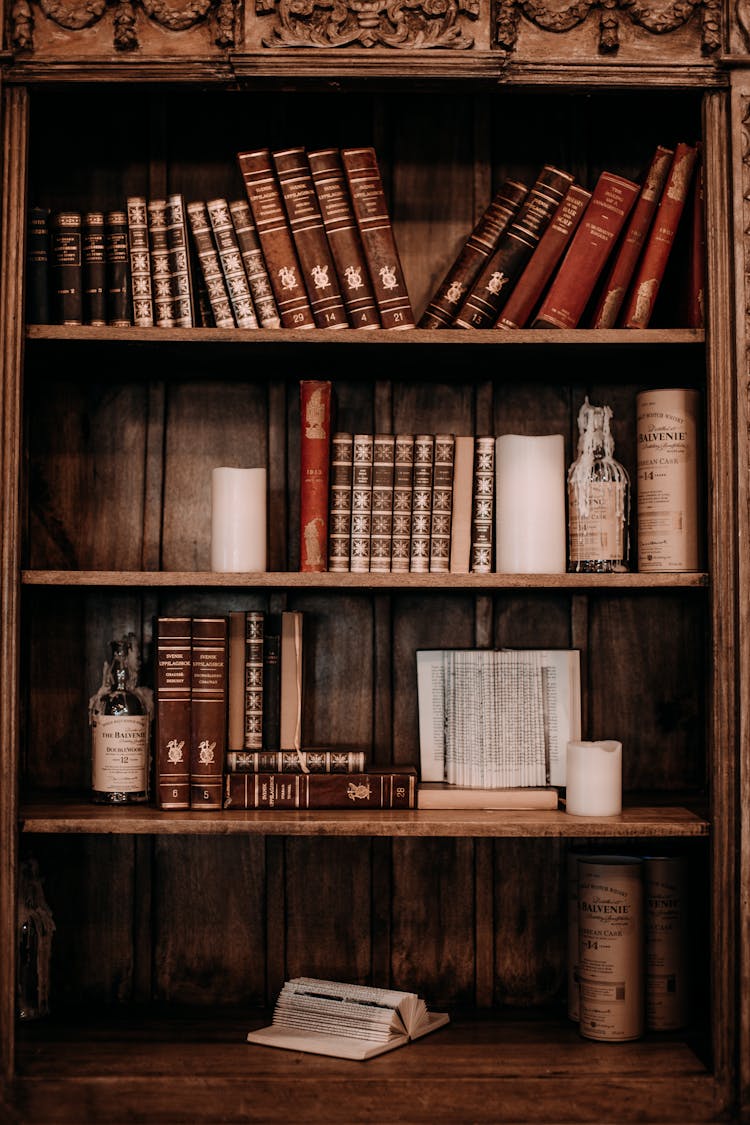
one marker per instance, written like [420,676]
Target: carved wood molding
[74,15]
[401,24]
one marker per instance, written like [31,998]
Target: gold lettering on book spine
[409,24]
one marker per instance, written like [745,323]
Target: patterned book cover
[179,262]
[172,679]
[209,264]
[421,503]
[483,505]
[118,269]
[208,711]
[315,458]
[254,263]
[297,761]
[362,451]
[442,504]
[140,261]
[228,249]
[381,531]
[161,277]
[66,266]
[254,631]
[374,789]
[403,473]
[94,269]
[340,516]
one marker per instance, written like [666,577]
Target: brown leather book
[495,281]
[179,262]
[343,237]
[37,266]
[254,263]
[173,673]
[208,711]
[340,509]
[282,261]
[372,789]
[381,527]
[542,264]
[376,231]
[140,262]
[209,264]
[473,254]
[161,279]
[611,202]
[296,761]
[94,269]
[315,459]
[118,269]
[362,452]
[442,503]
[639,304]
[421,502]
[66,267]
[626,257]
[306,224]
[228,249]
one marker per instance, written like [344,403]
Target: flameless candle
[238,519]
[593,778]
[531,532]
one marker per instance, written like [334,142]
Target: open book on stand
[348,1021]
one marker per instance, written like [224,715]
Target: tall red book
[172,680]
[639,304]
[626,257]
[611,202]
[315,456]
[208,711]
[282,262]
[376,231]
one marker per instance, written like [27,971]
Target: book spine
[296,761]
[611,202]
[395,790]
[66,273]
[37,266]
[421,503]
[542,263]
[232,265]
[254,263]
[496,279]
[118,269]
[463,478]
[381,531]
[306,224]
[290,690]
[94,269]
[209,264]
[282,263]
[236,682]
[160,272]
[403,483]
[442,504]
[315,457]
[378,241]
[343,237]
[482,241]
[179,262]
[696,306]
[254,630]
[271,684]
[340,518]
[483,505]
[172,712]
[639,305]
[208,711]
[140,262]
[621,271]
[362,453]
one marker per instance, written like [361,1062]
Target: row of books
[311,246]
[560,256]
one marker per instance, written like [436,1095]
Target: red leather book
[282,262]
[315,457]
[482,241]
[611,202]
[626,257]
[373,789]
[343,237]
[639,304]
[543,262]
[208,711]
[495,281]
[172,678]
[376,232]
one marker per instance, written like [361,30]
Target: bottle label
[120,754]
[598,535]
[667,480]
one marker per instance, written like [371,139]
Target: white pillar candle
[593,778]
[530,504]
[238,519]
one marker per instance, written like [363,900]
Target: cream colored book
[442,795]
[348,1021]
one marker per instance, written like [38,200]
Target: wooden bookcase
[174,932]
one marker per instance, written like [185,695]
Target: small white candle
[238,519]
[530,501]
[593,778]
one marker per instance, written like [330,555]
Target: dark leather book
[343,237]
[208,711]
[161,278]
[254,263]
[38,266]
[209,264]
[306,224]
[421,502]
[442,503]
[66,267]
[376,231]
[179,262]
[272,682]
[172,679]
[372,789]
[279,251]
[315,460]
[362,449]
[496,279]
[118,269]
[482,242]
[340,512]
[253,695]
[140,261]
[228,249]
[94,270]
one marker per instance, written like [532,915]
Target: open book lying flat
[349,1021]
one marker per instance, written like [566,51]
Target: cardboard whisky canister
[667,479]
[611,947]
[665,887]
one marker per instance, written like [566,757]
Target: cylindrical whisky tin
[667,479]
[611,947]
[665,886]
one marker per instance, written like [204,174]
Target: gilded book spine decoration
[230,257]
[340,520]
[209,264]
[140,262]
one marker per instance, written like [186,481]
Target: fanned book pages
[348,1021]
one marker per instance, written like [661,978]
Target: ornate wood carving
[409,24]
[168,14]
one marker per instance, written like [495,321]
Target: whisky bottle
[598,498]
[120,720]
